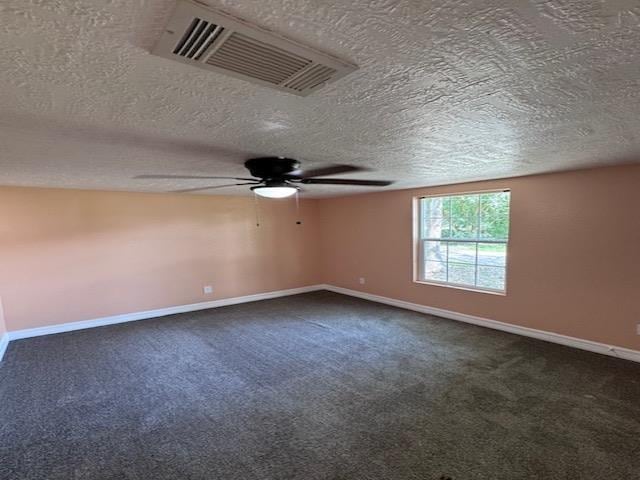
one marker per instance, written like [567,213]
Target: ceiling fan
[279,177]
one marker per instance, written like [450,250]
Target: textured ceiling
[447,91]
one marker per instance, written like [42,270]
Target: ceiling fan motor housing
[271,167]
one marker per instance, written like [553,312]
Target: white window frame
[418,250]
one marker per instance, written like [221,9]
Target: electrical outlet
[361,280]
[638,329]
[207,289]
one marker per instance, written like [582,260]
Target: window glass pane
[464,216]
[435,271]
[434,217]
[463,228]
[494,215]
[462,274]
[435,228]
[491,277]
[492,254]
[435,207]
[435,251]
[462,252]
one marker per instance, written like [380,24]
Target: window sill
[460,287]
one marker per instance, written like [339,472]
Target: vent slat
[212,37]
[247,70]
[305,79]
[305,75]
[201,39]
[315,81]
[261,52]
[187,34]
[315,84]
[197,38]
[258,44]
[311,78]
[194,36]
[250,73]
[320,76]
[250,58]
[233,61]
[294,79]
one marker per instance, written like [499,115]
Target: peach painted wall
[573,258]
[69,255]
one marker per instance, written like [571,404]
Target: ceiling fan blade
[197,189]
[346,181]
[190,177]
[324,171]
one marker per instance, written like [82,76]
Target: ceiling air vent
[212,40]
[197,39]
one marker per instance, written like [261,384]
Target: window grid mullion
[475,270]
[465,240]
[448,215]
[447,262]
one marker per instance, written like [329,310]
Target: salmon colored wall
[573,258]
[69,255]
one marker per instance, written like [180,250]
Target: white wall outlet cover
[361,280]
[207,289]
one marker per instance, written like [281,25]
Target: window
[463,240]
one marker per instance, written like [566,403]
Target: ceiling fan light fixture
[275,192]
[279,177]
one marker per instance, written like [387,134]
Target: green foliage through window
[463,239]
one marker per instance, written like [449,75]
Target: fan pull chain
[299,221]
[256,208]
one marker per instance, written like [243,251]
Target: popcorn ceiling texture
[447,91]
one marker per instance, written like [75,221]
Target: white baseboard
[4,342]
[611,350]
[160,312]
[589,345]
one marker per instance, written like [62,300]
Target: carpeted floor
[316,386]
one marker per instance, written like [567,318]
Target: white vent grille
[242,54]
[310,78]
[197,39]
[208,39]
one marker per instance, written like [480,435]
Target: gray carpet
[316,386]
